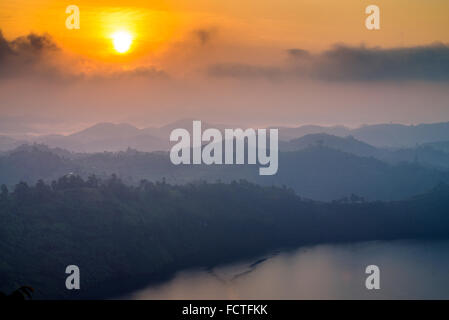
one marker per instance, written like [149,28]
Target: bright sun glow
[122,41]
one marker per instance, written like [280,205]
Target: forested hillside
[121,235]
[316,172]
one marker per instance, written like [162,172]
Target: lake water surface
[408,270]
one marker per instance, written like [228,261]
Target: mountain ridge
[316,172]
[108,136]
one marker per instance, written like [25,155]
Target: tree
[22,191]
[42,190]
[4,191]
[92,181]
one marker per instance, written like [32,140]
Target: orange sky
[256,62]
[156,25]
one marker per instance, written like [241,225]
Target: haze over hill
[116,137]
[86,176]
[380,135]
[429,154]
[319,166]
[317,171]
[348,144]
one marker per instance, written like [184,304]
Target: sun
[122,41]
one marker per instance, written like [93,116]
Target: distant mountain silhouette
[398,135]
[110,137]
[102,131]
[106,137]
[380,135]
[431,154]
[8,143]
[289,133]
[119,137]
[30,163]
[439,145]
[348,144]
[163,132]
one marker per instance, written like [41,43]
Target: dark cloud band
[346,63]
[24,54]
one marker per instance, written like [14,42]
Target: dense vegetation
[316,172]
[122,235]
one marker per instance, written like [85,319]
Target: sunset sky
[266,62]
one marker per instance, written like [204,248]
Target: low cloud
[205,35]
[298,53]
[429,63]
[346,63]
[143,72]
[33,44]
[138,73]
[236,70]
[25,54]
[39,56]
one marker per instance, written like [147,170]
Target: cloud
[298,53]
[38,56]
[204,36]
[430,63]
[5,49]
[236,70]
[25,54]
[33,43]
[346,63]
[138,72]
